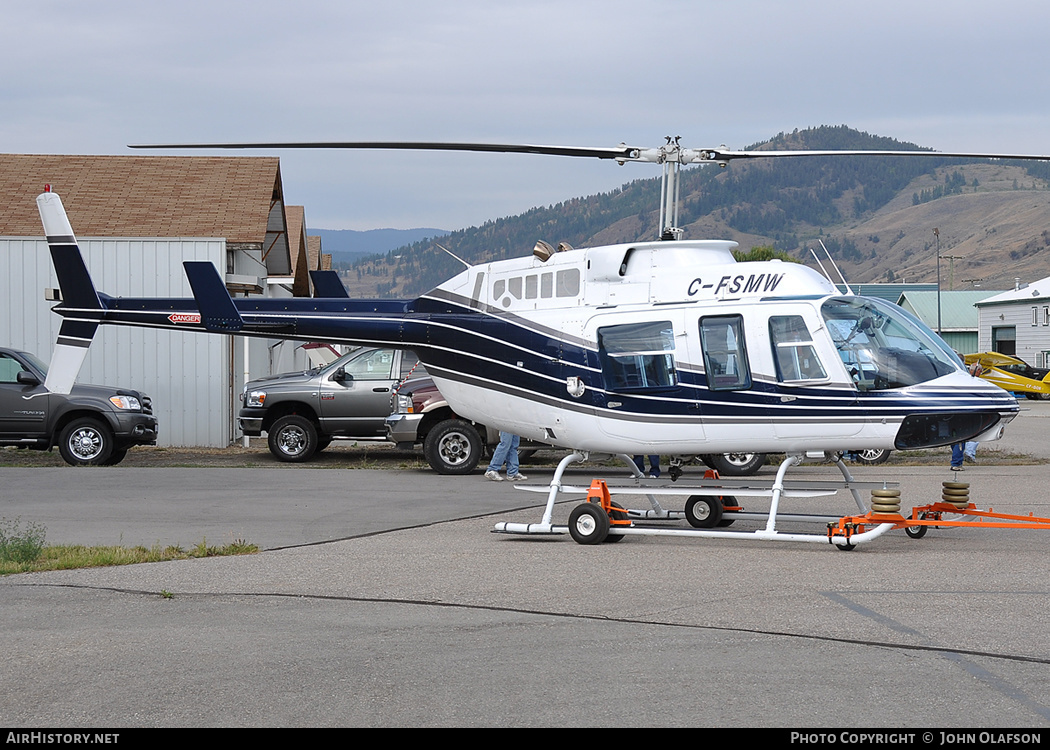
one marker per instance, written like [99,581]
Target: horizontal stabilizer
[218,313]
[327,284]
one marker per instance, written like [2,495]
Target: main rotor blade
[671,152]
[720,155]
[622,152]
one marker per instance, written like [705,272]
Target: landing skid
[601,519]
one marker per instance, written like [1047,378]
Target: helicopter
[666,346]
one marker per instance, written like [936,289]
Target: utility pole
[937,234]
[951,270]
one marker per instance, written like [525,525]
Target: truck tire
[873,456]
[453,447]
[292,439]
[86,442]
[736,464]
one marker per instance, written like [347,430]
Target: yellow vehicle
[1013,374]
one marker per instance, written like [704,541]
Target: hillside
[876,216]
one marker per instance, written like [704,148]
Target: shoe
[970,459]
[518,478]
[494,476]
[654,475]
[957,468]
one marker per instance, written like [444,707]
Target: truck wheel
[292,439]
[116,457]
[453,447]
[873,456]
[86,442]
[736,464]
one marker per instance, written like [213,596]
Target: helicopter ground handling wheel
[589,524]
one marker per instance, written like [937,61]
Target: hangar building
[137,218]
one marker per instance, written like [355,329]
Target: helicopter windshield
[882,346]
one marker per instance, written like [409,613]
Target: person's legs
[512,456]
[499,455]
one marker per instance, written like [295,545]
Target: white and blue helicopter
[654,347]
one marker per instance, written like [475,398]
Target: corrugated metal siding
[1032,340]
[186,374]
[964,342]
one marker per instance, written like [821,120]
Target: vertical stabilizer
[82,309]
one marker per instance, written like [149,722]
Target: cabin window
[725,355]
[793,350]
[531,287]
[546,285]
[569,282]
[637,355]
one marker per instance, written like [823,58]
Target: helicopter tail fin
[327,284]
[78,295]
[218,313]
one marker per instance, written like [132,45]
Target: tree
[763,252]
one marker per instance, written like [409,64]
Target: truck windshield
[883,346]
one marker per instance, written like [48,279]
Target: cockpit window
[883,346]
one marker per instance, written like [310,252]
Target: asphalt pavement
[383,599]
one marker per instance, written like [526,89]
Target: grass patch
[20,545]
[71,556]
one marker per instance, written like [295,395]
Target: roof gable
[144,196]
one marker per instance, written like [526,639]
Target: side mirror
[27,378]
[341,376]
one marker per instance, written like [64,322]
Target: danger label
[185,318]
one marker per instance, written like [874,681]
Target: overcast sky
[91,77]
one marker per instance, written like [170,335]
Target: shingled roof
[236,198]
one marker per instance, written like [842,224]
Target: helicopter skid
[606,519]
[846,542]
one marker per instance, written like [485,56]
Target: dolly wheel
[703,512]
[617,513]
[917,532]
[588,524]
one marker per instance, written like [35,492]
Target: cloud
[91,78]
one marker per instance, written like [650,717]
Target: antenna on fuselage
[454,255]
[833,265]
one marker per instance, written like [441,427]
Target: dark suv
[92,425]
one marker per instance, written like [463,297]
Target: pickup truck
[302,412]
[92,425]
